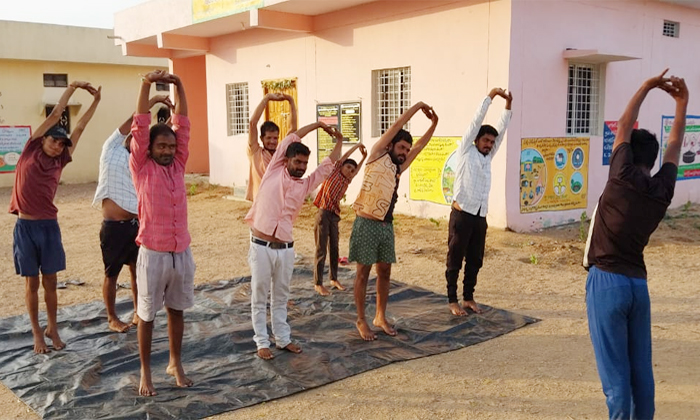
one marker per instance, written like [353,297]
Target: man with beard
[467,228]
[165,267]
[271,255]
[260,157]
[116,197]
[372,237]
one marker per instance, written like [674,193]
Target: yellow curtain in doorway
[279,112]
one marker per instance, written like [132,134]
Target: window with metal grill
[391,96]
[237,108]
[583,112]
[55,80]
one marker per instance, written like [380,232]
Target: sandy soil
[544,371]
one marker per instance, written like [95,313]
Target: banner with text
[432,174]
[689,163]
[553,174]
[344,116]
[609,133]
[203,10]
[12,141]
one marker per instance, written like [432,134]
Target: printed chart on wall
[344,116]
[609,133]
[203,10]
[432,174]
[12,141]
[689,164]
[553,174]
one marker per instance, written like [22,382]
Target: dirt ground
[544,371]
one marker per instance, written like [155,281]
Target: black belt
[272,245]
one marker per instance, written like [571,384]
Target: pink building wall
[542,30]
[456,53]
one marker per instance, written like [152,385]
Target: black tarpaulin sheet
[97,375]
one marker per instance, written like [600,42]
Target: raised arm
[338,148]
[675,139]
[141,123]
[363,150]
[625,125]
[384,142]
[303,131]
[180,97]
[57,111]
[85,119]
[253,144]
[293,111]
[420,144]
[503,122]
[350,152]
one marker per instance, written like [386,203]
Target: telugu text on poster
[203,10]
[432,174]
[12,141]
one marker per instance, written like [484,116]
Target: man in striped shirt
[165,267]
[467,228]
[116,196]
[328,216]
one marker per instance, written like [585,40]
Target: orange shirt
[260,159]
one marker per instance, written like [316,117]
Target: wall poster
[432,174]
[12,141]
[553,174]
[345,116]
[689,163]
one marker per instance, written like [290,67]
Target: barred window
[583,112]
[55,80]
[391,96]
[162,87]
[237,108]
[65,117]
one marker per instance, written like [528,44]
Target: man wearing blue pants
[629,210]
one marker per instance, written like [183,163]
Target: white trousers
[270,267]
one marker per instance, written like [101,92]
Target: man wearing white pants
[271,255]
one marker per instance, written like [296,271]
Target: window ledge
[594,56]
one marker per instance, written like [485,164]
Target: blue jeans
[619,321]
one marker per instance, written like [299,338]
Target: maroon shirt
[36,180]
[630,208]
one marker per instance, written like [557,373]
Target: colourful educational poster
[12,141]
[689,163]
[609,133]
[203,10]
[553,174]
[432,174]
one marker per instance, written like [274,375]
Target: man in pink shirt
[37,246]
[165,267]
[271,254]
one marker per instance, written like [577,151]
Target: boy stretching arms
[37,237]
[328,216]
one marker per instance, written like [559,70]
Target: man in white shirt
[116,196]
[467,229]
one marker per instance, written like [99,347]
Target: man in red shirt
[37,243]
[165,267]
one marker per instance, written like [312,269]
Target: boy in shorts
[37,243]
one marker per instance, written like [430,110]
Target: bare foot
[334,283]
[146,388]
[179,373]
[292,348]
[365,332]
[470,304]
[40,346]
[117,326]
[53,336]
[456,309]
[321,290]
[265,354]
[135,320]
[384,325]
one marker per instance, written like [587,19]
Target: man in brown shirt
[260,157]
[630,208]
